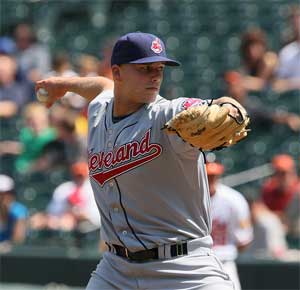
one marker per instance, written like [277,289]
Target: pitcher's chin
[150,98]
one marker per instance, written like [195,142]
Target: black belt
[176,250]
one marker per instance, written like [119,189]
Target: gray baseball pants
[200,270]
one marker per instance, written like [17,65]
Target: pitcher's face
[141,82]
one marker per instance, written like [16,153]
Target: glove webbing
[241,119]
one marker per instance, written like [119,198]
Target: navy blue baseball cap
[139,47]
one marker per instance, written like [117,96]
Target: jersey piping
[126,218]
[122,131]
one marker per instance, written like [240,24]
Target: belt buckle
[179,249]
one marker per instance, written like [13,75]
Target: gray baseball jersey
[150,187]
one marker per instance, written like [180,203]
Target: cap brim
[167,61]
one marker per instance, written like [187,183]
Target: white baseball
[42,95]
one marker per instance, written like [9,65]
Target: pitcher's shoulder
[103,97]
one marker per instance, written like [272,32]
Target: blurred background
[250,50]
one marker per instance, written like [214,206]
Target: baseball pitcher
[146,166]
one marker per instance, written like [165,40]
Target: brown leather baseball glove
[210,127]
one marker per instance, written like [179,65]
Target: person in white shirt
[72,205]
[288,69]
[231,224]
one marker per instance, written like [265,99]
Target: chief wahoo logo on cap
[156,46]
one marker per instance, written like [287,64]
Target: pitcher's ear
[116,72]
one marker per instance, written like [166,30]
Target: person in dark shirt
[13,214]
[13,94]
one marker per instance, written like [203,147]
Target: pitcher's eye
[144,68]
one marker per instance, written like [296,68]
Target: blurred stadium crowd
[249,50]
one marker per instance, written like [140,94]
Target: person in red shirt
[279,190]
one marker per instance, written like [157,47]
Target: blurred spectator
[288,72]
[292,33]
[259,113]
[81,124]
[61,66]
[104,68]
[87,65]
[269,234]
[66,149]
[33,137]
[13,214]
[13,94]
[259,63]
[292,213]
[7,45]
[59,111]
[280,189]
[33,57]
[231,224]
[72,207]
